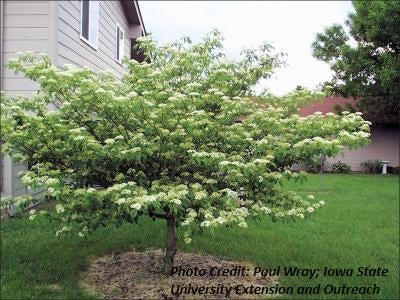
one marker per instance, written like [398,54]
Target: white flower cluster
[77,130]
[300,212]
[28,180]
[52,181]
[121,201]
[64,229]
[294,212]
[316,141]
[59,208]
[200,195]
[215,155]
[79,138]
[261,161]
[231,194]
[144,200]
[136,206]
[260,208]
[191,215]
[194,85]
[133,150]
[120,186]
[231,163]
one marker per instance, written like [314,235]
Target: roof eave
[133,14]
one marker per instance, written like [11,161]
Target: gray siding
[26,27]
[19,188]
[71,49]
[53,27]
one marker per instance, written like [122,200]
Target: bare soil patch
[137,275]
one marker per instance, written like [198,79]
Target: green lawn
[359,226]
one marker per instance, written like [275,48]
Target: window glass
[85,19]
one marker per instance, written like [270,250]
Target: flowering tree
[176,138]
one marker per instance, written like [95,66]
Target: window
[119,43]
[136,54]
[90,22]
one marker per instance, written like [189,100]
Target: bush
[393,170]
[373,166]
[341,167]
[312,166]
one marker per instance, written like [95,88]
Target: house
[94,34]
[384,137]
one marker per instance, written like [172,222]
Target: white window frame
[94,43]
[121,47]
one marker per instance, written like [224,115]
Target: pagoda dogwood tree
[176,138]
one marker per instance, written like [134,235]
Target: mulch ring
[137,275]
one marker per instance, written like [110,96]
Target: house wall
[25,27]
[53,27]
[384,146]
[384,141]
[1,41]
[2,161]
[71,49]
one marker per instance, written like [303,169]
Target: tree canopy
[177,138]
[370,70]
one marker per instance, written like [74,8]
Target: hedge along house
[94,34]
[384,138]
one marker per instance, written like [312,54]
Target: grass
[358,227]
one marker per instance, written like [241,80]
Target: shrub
[393,170]
[314,165]
[372,166]
[341,167]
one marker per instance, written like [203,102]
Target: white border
[116,45]
[93,45]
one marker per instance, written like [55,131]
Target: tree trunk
[171,246]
